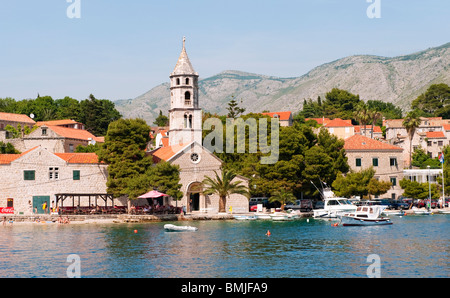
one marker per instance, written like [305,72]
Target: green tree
[354,183]
[283,196]
[361,114]
[161,120]
[411,123]
[124,152]
[421,160]
[340,104]
[416,190]
[233,109]
[223,186]
[434,100]
[377,187]
[68,108]
[97,114]
[8,148]
[163,177]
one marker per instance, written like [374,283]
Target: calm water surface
[414,246]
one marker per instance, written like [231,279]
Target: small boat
[262,216]
[279,216]
[421,211]
[175,228]
[444,211]
[365,216]
[244,217]
[394,212]
[333,206]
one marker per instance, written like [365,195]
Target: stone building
[38,175]
[14,120]
[55,138]
[185,144]
[285,118]
[386,159]
[432,135]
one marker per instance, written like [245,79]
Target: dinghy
[170,227]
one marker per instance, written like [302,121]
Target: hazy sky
[120,49]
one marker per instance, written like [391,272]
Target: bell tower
[185,116]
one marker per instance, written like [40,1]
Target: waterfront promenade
[129,218]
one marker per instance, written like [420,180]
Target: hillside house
[55,139]
[13,120]
[386,159]
[285,118]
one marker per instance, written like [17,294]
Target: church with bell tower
[185,147]
[185,115]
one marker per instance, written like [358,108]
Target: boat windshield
[344,202]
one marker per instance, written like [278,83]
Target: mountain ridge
[398,79]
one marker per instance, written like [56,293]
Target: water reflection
[412,247]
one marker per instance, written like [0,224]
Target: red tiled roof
[368,127]
[359,142]
[72,133]
[57,122]
[16,118]
[8,158]
[166,153]
[320,121]
[435,135]
[165,142]
[446,127]
[83,158]
[281,115]
[339,123]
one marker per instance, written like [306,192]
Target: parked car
[304,205]
[262,200]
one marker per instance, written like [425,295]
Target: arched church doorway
[194,196]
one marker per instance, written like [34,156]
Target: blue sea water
[414,246]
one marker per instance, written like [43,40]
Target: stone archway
[195,198]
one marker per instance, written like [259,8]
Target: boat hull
[173,228]
[357,221]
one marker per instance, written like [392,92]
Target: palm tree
[374,115]
[224,187]
[411,122]
[361,113]
[283,196]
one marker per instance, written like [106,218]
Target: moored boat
[421,211]
[365,216]
[279,216]
[170,227]
[262,216]
[244,217]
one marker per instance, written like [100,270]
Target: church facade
[185,147]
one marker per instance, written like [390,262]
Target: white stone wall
[191,173]
[384,171]
[12,184]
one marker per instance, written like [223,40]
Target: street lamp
[429,187]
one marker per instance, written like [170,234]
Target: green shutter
[375,162]
[29,175]
[76,175]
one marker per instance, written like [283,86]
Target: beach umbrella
[152,195]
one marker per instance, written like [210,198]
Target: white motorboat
[421,211]
[365,216]
[244,217]
[170,227]
[442,211]
[333,206]
[394,212]
[279,216]
[262,216]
